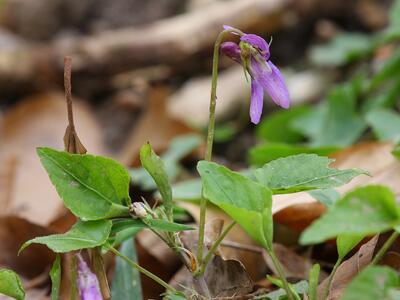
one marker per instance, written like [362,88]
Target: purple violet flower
[88,285]
[253,54]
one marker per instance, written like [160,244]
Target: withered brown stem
[72,144]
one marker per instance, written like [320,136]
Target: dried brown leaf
[33,261]
[33,122]
[294,265]
[349,269]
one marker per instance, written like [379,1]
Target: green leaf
[342,125]
[298,288]
[389,70]
[92,187]
[126,281]
[155,166]
[178,149]
[303,172]
[11,285]
[328,197]
[245,201]
[393,31]
[158,224]
[276,127]
[374,282]
[396,152]
[309,124]
[313,282]
[385,97]
[225,132]
[385,124]
[124,234]
[82,235]
[189,190]
[55,275]
[174,296]
[261,154]
[365,211]
[346,242]
[342,49]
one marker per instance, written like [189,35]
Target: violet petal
[257,42]
[274,85]
[256,101]
[227,27]
[88,285]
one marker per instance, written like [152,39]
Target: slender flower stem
[281,274]
[141,269]
[210,139]
[330,280]
[98,268]
[385,248]
[215,246]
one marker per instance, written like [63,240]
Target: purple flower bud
[253,53]
[231,50]
[88,285]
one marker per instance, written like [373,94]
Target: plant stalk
[97,264]
[215,246]
[210,139]
[385,248]
[141,269]
[330,280]
[281,274]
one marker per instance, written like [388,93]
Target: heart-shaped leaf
[92,187]
[364,211]
[246,201]
[82,235]
[303,172]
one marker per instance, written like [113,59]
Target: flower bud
[88,285]
[138,209]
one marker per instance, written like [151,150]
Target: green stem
[141,269]
[210,139]
[215,246]
[281,274]
[330,280]
[385,247]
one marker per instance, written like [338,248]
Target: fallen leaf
[190,103]
[14,231]
[227,278]
[294,265]
[167,128]
[348,270]
[253,260]
[391,259]
[222,277]
[38,121]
